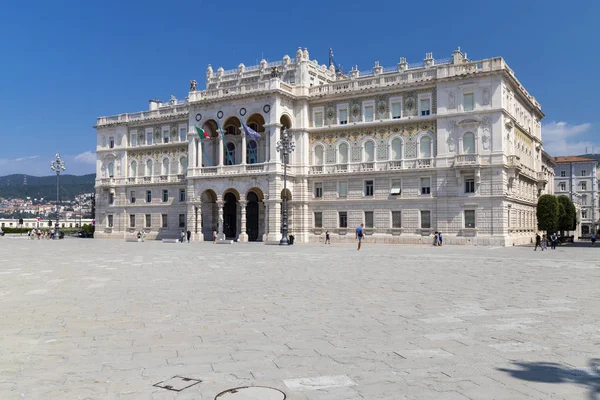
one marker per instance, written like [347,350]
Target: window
[583,186]
[425,147]
[425,185]
[425,219]
[318,219]
[319,152]
[111,170]
[369,113]
[181,195]
[148,220]
[133,169]
[563,187]
[468,143]
[343,219]
[424,105]
[133,139]
[182,220]
[396,219]
[343,153]
[132,220]
[583,172]
[396,109]
[469,186]
[148,196]
[149,168]
[111,142]
[368,219]
[368,188]
[318,119]
[111,198]
[165,195]
[318,189]
[343,116]
[397,149]
[132,196]
[396,187]
[165,167]
[584,214]
[369,151]
[468,102]
[110,221]
[584,200]
[182,134]
[164,219]
[183,164]
[469,218]
[149,137]
[563,174]
[342,189]
[165,136]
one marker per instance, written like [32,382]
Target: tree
[547,213]
[568,220]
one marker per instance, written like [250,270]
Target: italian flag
[202,133]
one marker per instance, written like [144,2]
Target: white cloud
[561,139]
[25,158]
[86,157]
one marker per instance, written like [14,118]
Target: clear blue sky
[64,63]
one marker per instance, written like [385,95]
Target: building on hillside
[577,177]
[451,145]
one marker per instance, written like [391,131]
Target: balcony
[396,164]
[425,163]
[467,160]
[316,169]
[239,169]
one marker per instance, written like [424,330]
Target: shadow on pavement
[556,373]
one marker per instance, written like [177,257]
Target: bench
[170,240]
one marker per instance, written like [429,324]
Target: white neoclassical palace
[444,145]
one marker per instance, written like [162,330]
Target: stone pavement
[89,319]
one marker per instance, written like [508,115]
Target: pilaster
[243,236]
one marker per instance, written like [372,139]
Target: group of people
[542,241]
[141,235]
[437,238]
[40,234]
[187,234]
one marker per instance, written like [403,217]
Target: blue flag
[250,132]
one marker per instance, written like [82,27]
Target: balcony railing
[396,164]
[466,160]
[316,169]
[425,163]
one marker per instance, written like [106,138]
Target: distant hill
[11,186]
[594,156]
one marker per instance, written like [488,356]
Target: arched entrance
[252,217]
[210,215]
[230,216]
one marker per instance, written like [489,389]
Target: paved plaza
[91,319]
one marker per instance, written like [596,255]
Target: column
[220,207]
[243,148]
[220,150]
[266,219]
[243,236]
[267,153]
[199,153]
[191,220]
[274,215]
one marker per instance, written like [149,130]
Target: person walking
[554,240]
[214,237]
[360,234]
[327,238]
[182,237]
[189,235]
[143,235]
[538,241]
[544,243]
[440,238]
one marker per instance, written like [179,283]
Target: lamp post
[285,146]
[57,165]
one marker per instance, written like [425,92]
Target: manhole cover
[177,383]
[251,393]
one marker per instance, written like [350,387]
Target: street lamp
[57,165]
[285,146]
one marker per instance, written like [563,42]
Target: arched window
[396,149]
[425,147]
[183,164]
[133,169]
[149,168]
[319,155]
[230,160]
[468,143]
[252,152]
[369,151]
[111,170]
[165,166]
[343,153]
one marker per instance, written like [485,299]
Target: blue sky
[64,63]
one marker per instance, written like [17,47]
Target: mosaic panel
[356,151]
[382,149]
[330,156]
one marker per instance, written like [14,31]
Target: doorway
[230,216]
[252,217]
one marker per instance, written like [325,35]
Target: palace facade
[449,145]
